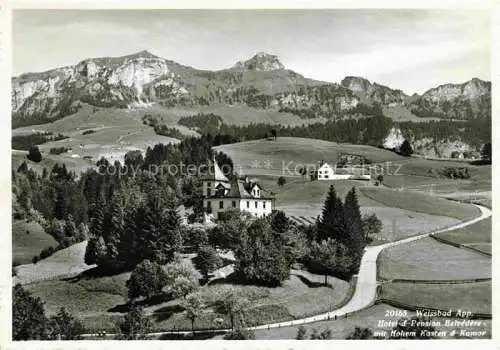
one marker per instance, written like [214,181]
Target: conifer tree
[331,223]
[354,235]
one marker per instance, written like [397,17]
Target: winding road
[366,284]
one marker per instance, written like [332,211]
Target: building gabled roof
[215,173]
[324,166]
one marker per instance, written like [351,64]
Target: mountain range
[142,79]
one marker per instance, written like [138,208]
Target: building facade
[221,194]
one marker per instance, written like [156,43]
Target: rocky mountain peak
[261,61]
[143,54]
[356,83]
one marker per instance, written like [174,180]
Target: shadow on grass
[199,335]
[311,284]
[480,162]
[155,300]
[237,279]
[97,272]
[166,312]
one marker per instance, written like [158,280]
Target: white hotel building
[220,194]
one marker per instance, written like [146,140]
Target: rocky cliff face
[120,81]
[394,139]
[469,100]
[428,146]
[374,92]
[470,90]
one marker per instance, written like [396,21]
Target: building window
[248,204]
[258,192]
[256,204]
[208,184]
[264,205]
[234,204]
[221,205]
[209,204]
[326,176]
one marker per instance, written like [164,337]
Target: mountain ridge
[261,81]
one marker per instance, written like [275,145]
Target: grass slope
[117,131]
[68,261]
[28,239]
[287,154]
[99,301]
[428,259]
[420,202]
[474,297]
[477,235]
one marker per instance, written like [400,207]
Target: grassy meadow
[428,259]
[28,239]
[474,297]
[477,236]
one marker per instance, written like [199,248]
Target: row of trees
[25,142]
[339,236]
[370,130]
[117,201]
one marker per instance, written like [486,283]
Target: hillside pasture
[99,301]
[428,259]
[421,202]
[296,298]
[286,155]
[65,262]
[474,297]
[28,239]
[82,297]
[478,236]
[303,201]
[76,165]
[115,132]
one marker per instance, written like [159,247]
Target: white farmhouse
[220,194]
[326,172]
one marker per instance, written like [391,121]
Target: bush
[301,333]
[87,132]
[196,237]
[207,260]
[240,334]
[456,172]
[34,154]
[147,279]
[58,150]
[281,181]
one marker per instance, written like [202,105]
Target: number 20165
[393,313]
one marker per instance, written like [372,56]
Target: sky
[411,50]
